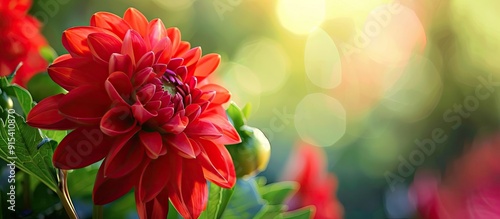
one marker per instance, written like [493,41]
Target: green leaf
[35,161]
[218,198]
[172,213]
[246,110]
[245,202]
[50,198]
[48,53]
[55,135]
[81,182]
[4,82]
[277,193]
[270,211]
[22,95]
[302,213]
[234,112]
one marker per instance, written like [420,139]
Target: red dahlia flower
[20,41]
[138,97]
[307,166]
[470,188]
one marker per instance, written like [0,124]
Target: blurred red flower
[307,166]
[139,99]
[20,41]
[470,187]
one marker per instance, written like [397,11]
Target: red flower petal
[81,147]
[182,144]
[124,156]
[110,22]
[154,179]
[176,124]
[46,115]
[145,94]
[118,87]
[136,20]
[86,104]
[74,72]
[119,62]
[107,189]
[222,95]
[155,208]
[188,190]
[192,56]
[174,35]
[147,60]
[203,129]
[75,40]
[103,45]
[206,66]
[118,120]
[62,58]
[133,46]
[156,33]
[193,111]
[230,135]
[142,76]
[140,113]
[152,142]
[217,164]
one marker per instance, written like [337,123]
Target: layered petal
[182,144]
[85,105]
[75,72]
[136,20]
[46,115]
[157,33]
[155,208]
[154,179]
[222,95]
[111,22]
[188,188]
[75,40]
[229,134]
[118,121]
[119,87]
[133,46]
[206,66]
[217,164]
[108,189]
[82,147]
[124,157]
[102,46]
[152,142]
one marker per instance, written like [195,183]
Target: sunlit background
[365,80]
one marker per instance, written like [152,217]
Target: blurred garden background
[389,90]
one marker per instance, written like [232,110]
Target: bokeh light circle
[243,84]
[394,33]
[417,92]
[301,16]
[320,119]
[268,61]
[322,60]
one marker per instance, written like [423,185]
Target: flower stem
[63,194]
[97,212]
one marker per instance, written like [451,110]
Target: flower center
[170,82]
[169,87]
